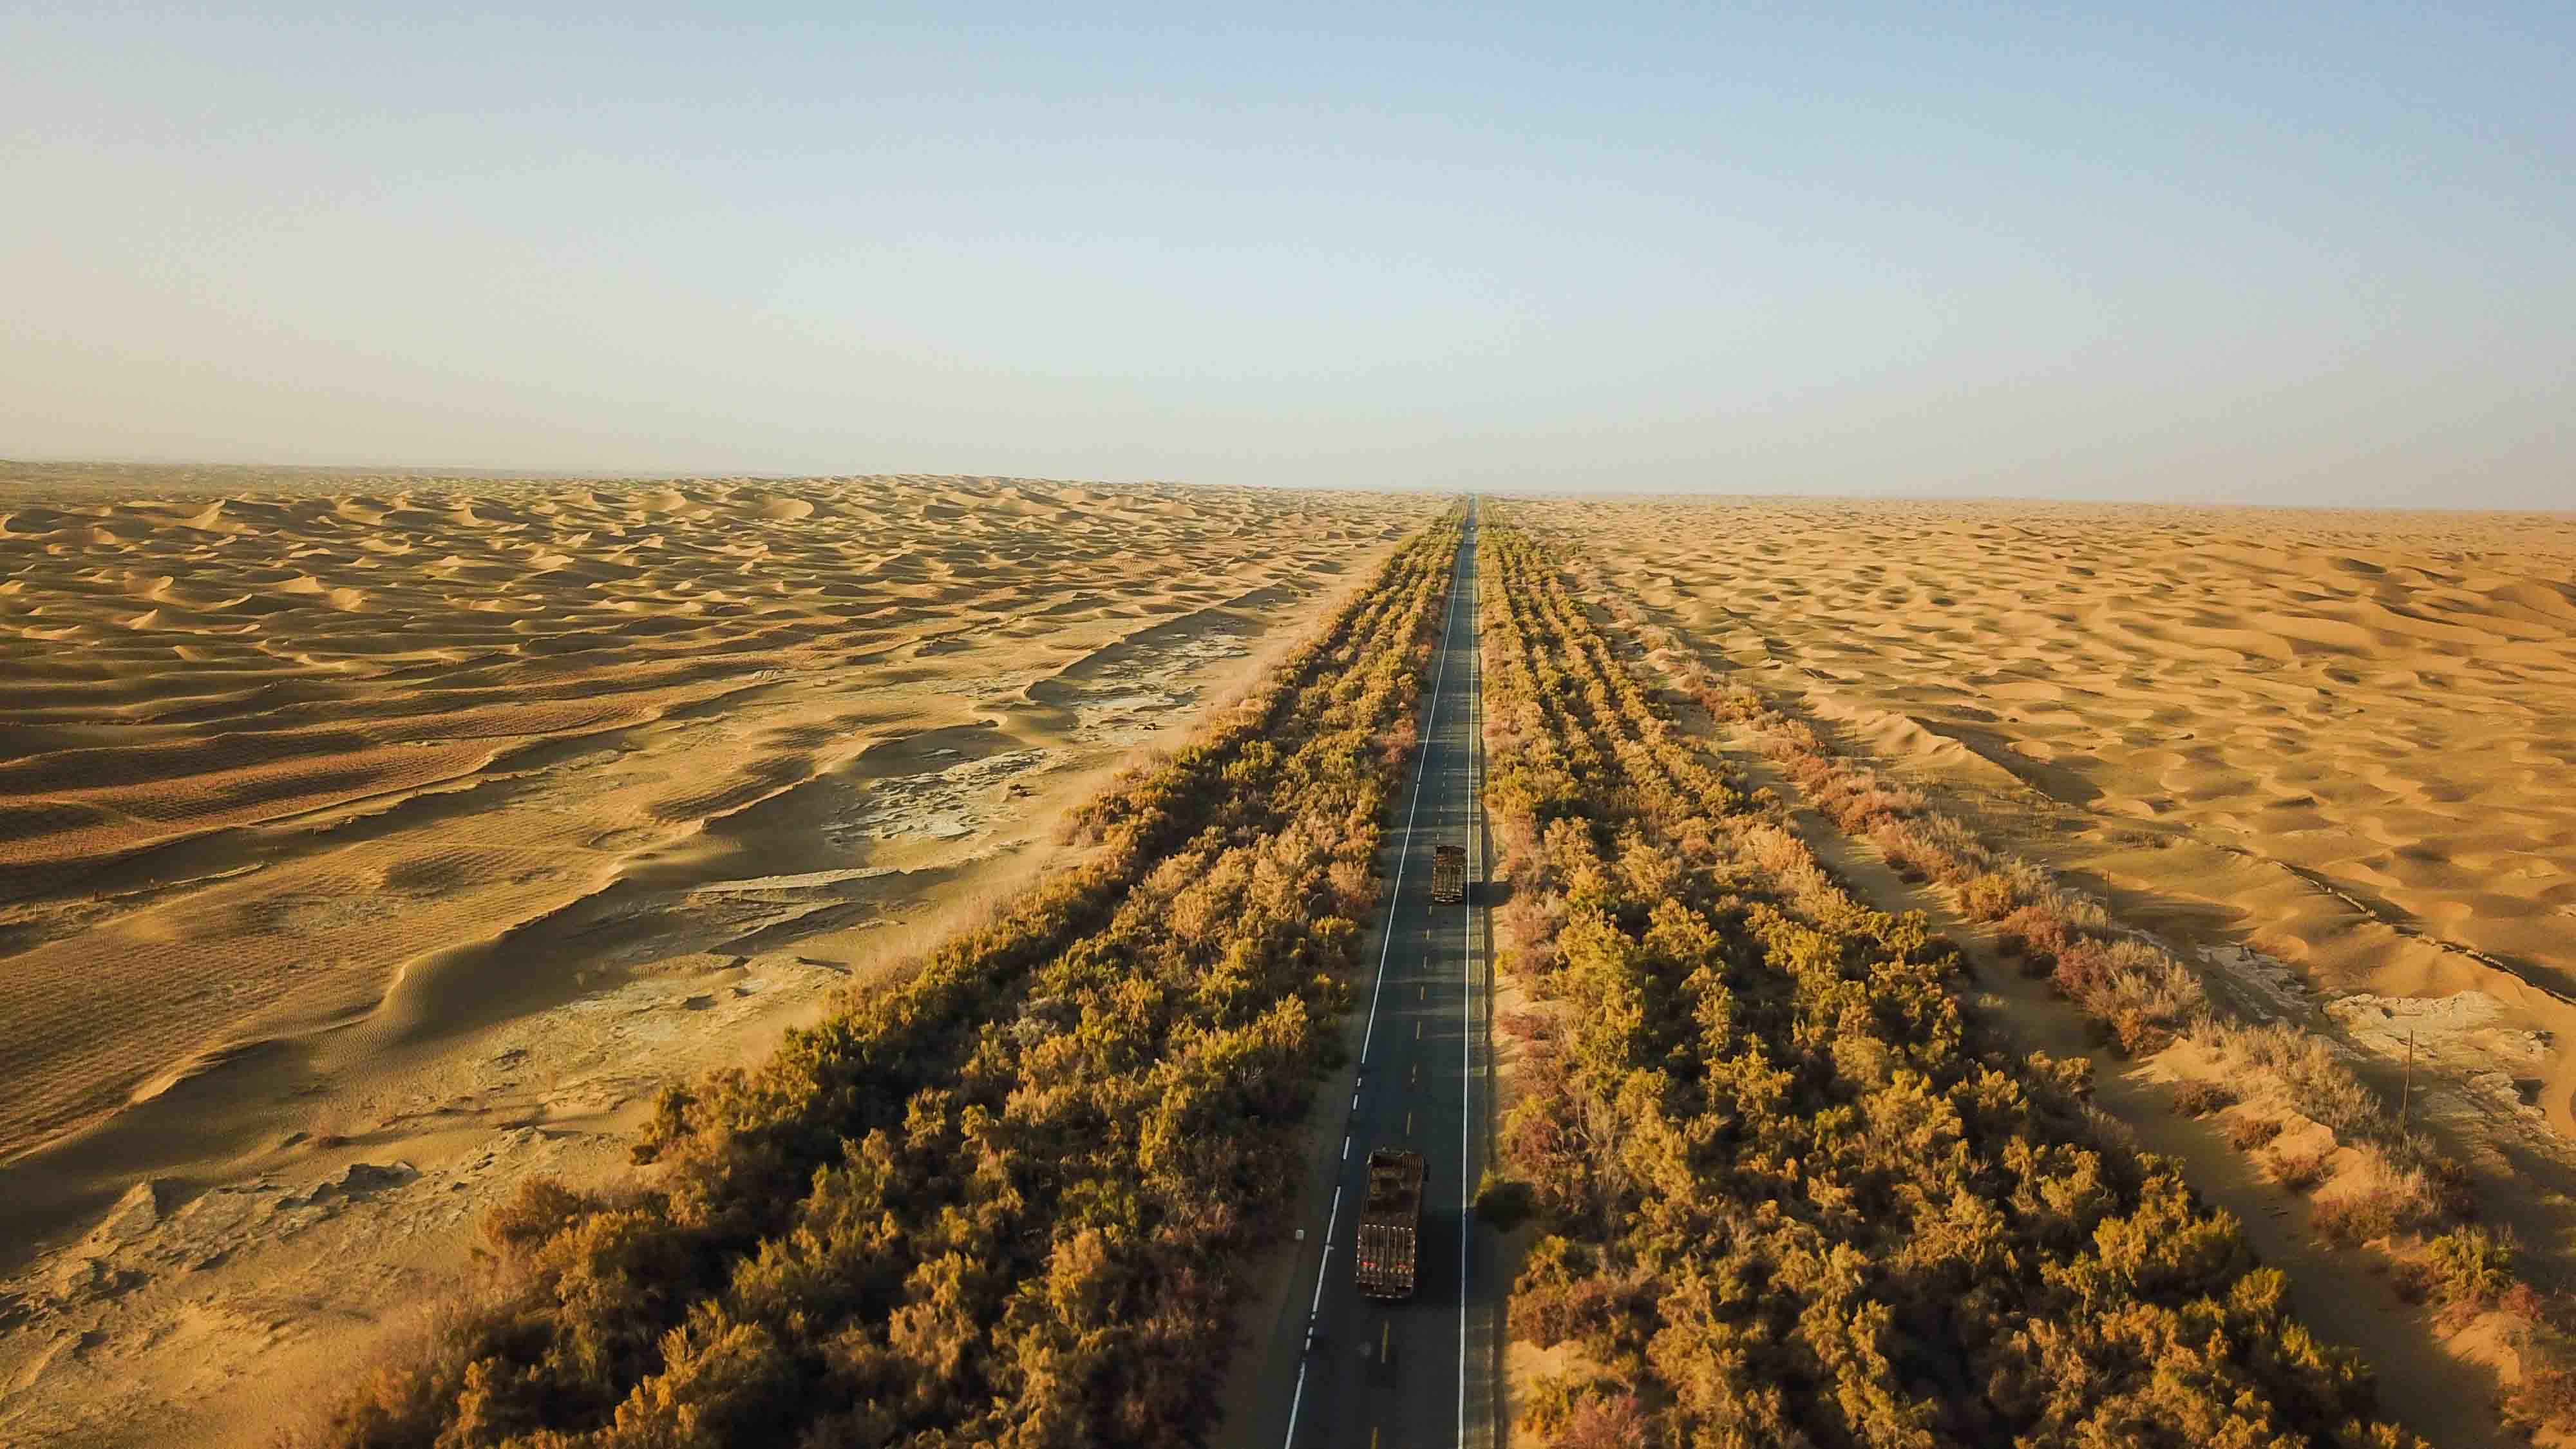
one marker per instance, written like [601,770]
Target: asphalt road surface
[1348,1372]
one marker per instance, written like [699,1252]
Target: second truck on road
[1448,874]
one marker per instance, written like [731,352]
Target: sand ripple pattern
[2385,703]
[266,737]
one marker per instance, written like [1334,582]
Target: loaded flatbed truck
[1449,874]
[1391,1224]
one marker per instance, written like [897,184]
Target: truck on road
[1449,874]
[1391,1223]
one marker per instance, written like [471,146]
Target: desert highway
[1347,1372]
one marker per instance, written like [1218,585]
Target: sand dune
[2329,752]
[315,789]
[2386,700]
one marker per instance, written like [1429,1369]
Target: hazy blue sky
[2173,252]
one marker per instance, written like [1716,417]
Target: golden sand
[2330,754]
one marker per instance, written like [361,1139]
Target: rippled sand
[2384,701]
[369,843]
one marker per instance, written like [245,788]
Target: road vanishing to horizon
[1341,1369]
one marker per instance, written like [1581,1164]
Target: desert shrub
[2469,1265]
[2353,1218]
[1583,1411]
[1951,852]
[1541,1306]
[1902,851]
[2447,1182]
[2302,1169]
[2247,1131]
[540,1208]
[2034,933]
[2320,1086]
[1988,897]
[2199,1099]
[1856,800]
[2544,1399]
[2138,1034]
[2523,1301]
[1602,1421]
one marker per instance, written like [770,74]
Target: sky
[2251,253]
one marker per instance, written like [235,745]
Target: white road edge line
[1467,995]
[1430,728]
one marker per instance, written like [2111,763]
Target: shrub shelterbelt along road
[1788,1192]
[1005,1196]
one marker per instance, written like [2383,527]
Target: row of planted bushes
[1003,1198]
[1790,1194]
[2142,998]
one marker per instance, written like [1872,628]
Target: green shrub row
[2141,996]
[1002,1199]
[1789,1194]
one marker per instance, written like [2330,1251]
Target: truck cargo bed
[1449,874]
[1389,1241]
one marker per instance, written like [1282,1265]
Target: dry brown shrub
[2139,1034]
[540,1208]
[2546,1398]
[2199,1099]
[2303,1066]
[1905,853]
[2413,1280]
[2247,1132]
[2375,1199]
[2523,1301]
[2038,934]
[2298,1171]
[2354,1218]
[2083,970]
[2454,1191]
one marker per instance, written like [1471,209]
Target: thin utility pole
[2406,1093]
